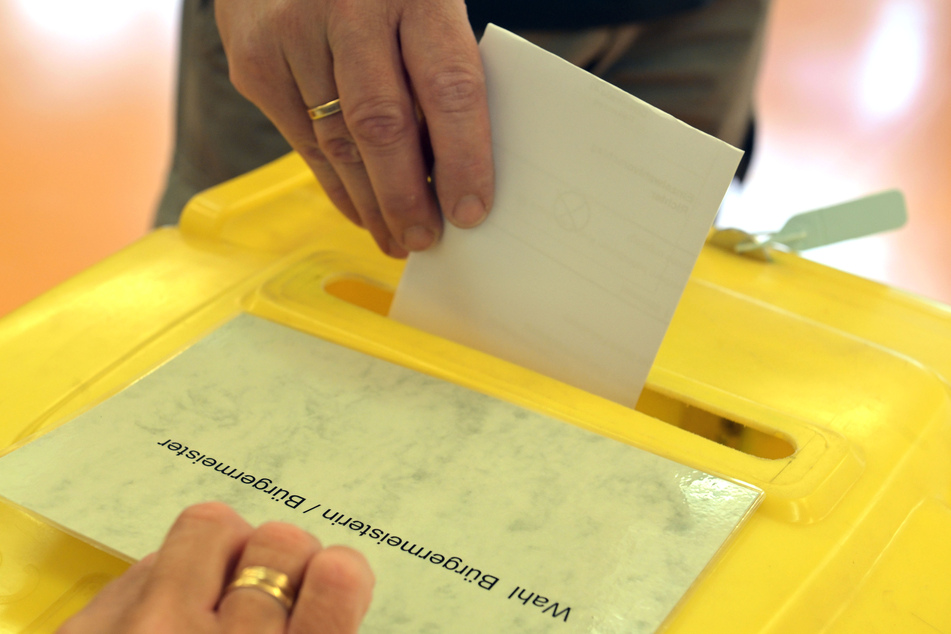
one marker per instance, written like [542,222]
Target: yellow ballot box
[825,391]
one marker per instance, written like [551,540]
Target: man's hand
[181,588]
[382,59]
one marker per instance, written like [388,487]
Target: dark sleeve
[571,14]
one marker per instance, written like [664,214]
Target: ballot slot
[361,292]
[376,297]
[712,426]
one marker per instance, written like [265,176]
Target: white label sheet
[475,514]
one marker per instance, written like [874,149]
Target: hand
[382,59]
[178,590]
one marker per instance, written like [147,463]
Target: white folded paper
[602,204]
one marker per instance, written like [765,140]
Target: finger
[442,58]
[197,556]
[280,547]
[259,70]
[313,73]
[335,595]
[290,117]
[105,612]
[379,112]
[283,104]
[338,145]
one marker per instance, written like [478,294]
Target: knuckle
[341,149]
[249,67]
[288,19]
[311,152]
[343,15]
[207,512]
[379,123]
[340,570]
[457,87]
[283,537]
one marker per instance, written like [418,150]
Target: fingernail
[469,212]
[418,238]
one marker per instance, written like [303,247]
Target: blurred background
[852,100]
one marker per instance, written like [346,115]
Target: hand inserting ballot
[369,92]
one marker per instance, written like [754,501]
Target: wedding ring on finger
[326,110]
[267,580]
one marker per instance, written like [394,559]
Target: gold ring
[329,108]
[268,581]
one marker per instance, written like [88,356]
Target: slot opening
[711,426]
[362,293]
[724,431]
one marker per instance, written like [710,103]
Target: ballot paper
[476,515]
[602,204]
